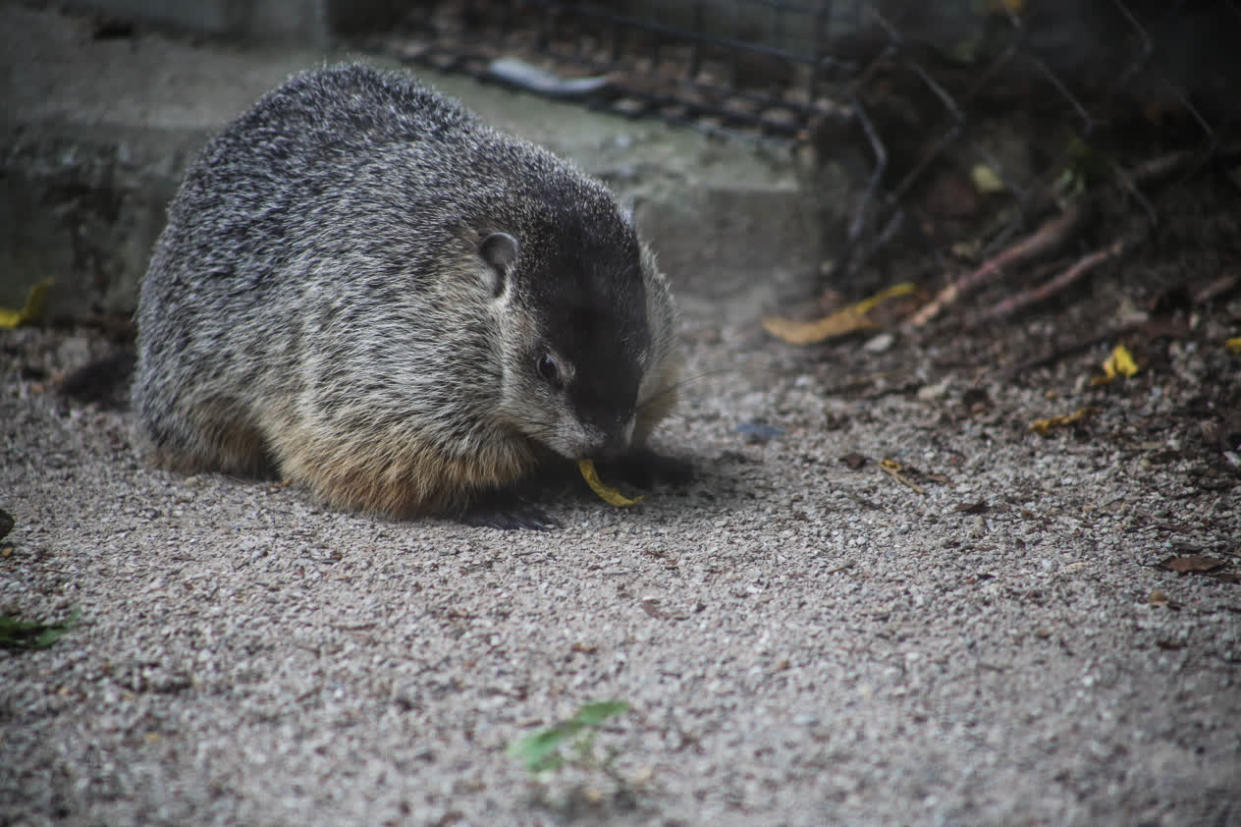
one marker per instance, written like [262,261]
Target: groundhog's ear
[499,250]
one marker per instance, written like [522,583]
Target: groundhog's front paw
[508,511]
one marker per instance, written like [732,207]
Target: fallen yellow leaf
[609,495]
[905,288]
[1043,427]
[1123,360]
[846,320]
[30,312]
[1119,363]
[838,324]
[1233,344]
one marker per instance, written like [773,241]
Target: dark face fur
[580,342]
[592,316]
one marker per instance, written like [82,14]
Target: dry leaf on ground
[844,321]
[854,460]
[31,310]
[609,495]
[1043,427]
[1118,363]
[1192,563]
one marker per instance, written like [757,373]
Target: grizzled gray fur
[368,289]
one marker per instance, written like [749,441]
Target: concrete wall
[95,135]
[307,22]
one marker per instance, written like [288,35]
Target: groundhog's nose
[616,445]
[610,440]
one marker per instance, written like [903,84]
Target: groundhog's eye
[548,369]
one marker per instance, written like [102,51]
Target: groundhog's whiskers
[674,388]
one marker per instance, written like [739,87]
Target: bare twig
[1216,288]
[1021,301]
[1052,234]
[858,224]
[1156,169]
[1149,172]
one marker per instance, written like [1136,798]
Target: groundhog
[365,288]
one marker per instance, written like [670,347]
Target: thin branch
[1016,303]
[1048,237]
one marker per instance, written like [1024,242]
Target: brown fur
[419,479]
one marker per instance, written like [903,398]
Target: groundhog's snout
[609,439]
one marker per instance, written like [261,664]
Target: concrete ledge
[96,134]
[308,22]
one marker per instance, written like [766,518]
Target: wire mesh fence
[964,122]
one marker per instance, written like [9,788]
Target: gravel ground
[801,641]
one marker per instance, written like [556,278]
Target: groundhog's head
[586,324]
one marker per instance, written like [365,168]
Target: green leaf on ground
[540,751]
[595,714]
[22,634]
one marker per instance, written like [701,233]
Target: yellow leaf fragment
[844,321]
[1233,344]
[1123,360]
[985,179]
[1119,363]
[609,495]
[1043,427]
[905,288]
[893,469]
[31,310]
